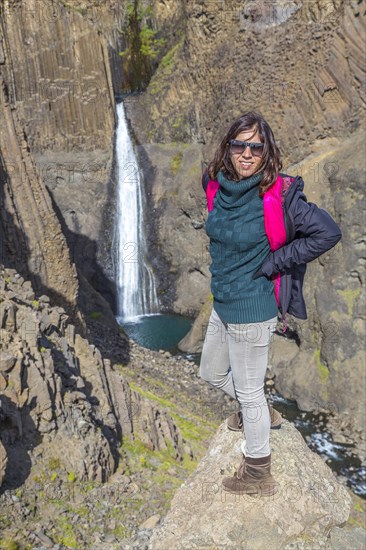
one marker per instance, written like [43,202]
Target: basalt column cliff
[57,106]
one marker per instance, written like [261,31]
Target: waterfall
[136,291]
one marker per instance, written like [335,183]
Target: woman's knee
[210,375]
[251,397]
[205,372]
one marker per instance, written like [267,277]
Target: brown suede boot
[252,478]
[235,421]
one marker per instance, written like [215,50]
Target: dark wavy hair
[271,160]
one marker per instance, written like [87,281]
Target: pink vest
[274,223]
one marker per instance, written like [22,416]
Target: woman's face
[247,163]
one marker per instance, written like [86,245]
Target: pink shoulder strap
[274,222]
[211,191]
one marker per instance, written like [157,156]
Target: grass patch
[67,536]
[195,428]
[54,463]
[358,507]
[160,467]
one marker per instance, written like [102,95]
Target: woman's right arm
[317,233]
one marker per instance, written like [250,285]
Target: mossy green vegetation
[157,467]
[195,427]
[350,296]
[358,507]
[150,45]
[355,523]
[177,123]
[357,516]
[176,163]
[71,476]
[120,531]
[54,463]
[95,315]
[168,61]
[322,368]
[72,7]
[4,522]
[140,457]
[9,544]
[162,76]
[142,44]
[65,535]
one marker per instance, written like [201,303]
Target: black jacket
[310,232]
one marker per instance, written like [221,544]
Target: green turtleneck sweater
[238,247]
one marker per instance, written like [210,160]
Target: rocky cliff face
[60,401]
[57,101]
[232,58]
[31,237]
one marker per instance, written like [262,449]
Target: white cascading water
[136,290]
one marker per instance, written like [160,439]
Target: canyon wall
[58,175]
[301,64]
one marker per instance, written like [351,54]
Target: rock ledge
[308,505]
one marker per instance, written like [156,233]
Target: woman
[243,174]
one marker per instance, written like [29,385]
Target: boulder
[7,361]
[193,340]
[309,503]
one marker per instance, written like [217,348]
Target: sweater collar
[234,191]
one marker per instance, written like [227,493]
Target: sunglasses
[238,147]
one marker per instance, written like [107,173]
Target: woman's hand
[317,233]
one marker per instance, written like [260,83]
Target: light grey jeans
[234,359]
